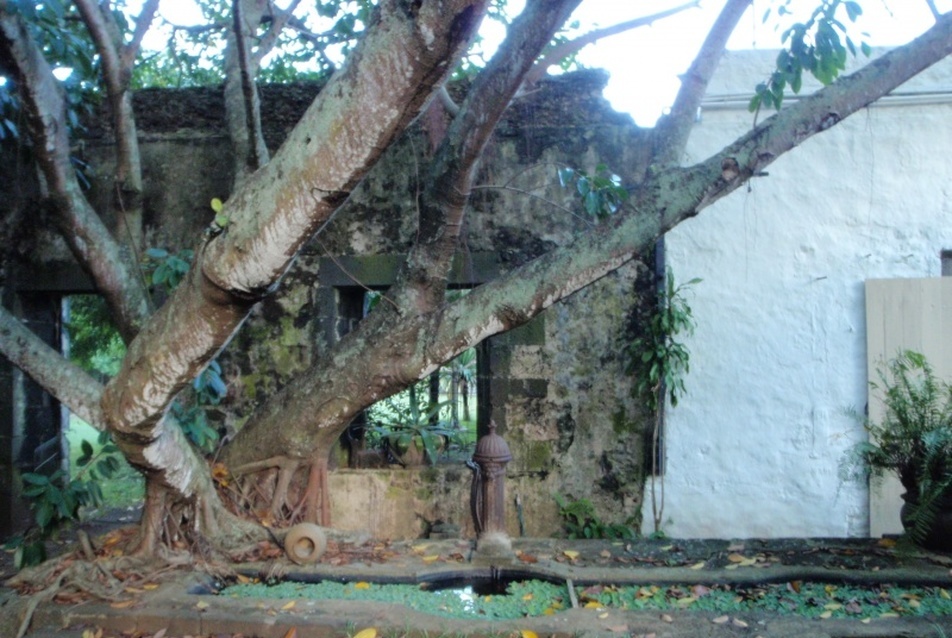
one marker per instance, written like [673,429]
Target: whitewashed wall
[779,355]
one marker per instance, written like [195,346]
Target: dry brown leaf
[736,558]
[122,604]
[288,605]
[291,633]
[667,617]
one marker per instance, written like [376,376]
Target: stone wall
[557,387]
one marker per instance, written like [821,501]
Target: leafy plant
[167,270]
[55,498]
[407,420]
[659,361]
[191,411]
[580,521]
[818,46]
[602,193]
[914,439]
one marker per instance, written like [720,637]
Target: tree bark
[406,53]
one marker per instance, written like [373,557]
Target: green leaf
[216,205]
[35,479]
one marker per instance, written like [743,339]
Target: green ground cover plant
[536,598]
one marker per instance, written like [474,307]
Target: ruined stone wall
[557,387]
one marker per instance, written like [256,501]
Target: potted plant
[914,440]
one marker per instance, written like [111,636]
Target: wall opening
[435,420]
[946,257]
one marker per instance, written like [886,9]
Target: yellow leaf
[419,549]
[886,542]
[88,633]
[698,565]
[945,594]
[832,606]
[527,597]
[603,616]
[687,600]
[151,586]
[369,632]
[362,585]
[288,605]
[291,633]
[123,604]
[200,605]
[571,554]
[667,548]
[747,562]
[132,590]
[528,633]
[914,603]
[593,604]
[487,599]
[216,204]
[431,558]
[548,612]
[826,614]
[736,558]
[244,580]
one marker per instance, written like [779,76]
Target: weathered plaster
[779,355]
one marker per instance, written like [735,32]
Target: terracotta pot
[939,535]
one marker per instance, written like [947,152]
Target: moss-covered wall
[556,387]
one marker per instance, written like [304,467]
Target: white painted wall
[779,354]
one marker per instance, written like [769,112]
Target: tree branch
[671,134]
[62,378]
[89,240]
[563,50]
[242,104]
[131,50]
[270,39]
[423,281]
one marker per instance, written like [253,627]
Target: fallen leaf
[886,542]
[605,553]
[527,558]
[914,603]
[369,632]
[201,605]
[242,579]
[527,633]
[288,605]
[362,585]
[603,616]
[123,604]
[160,633]
[571,554]
[667,618]
[527,597]
[431,558]
[593,604]
[832,606]
[737,622]
[720,620]
[686,601]
[736,558]
[945,594]
[795,585]
[667,548]
[700,590]
[618,629]
[826,614]
[698,565]
[866,621]
[291,633]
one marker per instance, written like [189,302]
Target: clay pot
[305,543]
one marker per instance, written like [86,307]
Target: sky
[644,64]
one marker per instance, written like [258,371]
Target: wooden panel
[903,314]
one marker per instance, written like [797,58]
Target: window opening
[432,421]
[946,257]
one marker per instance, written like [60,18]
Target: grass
[125,489]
